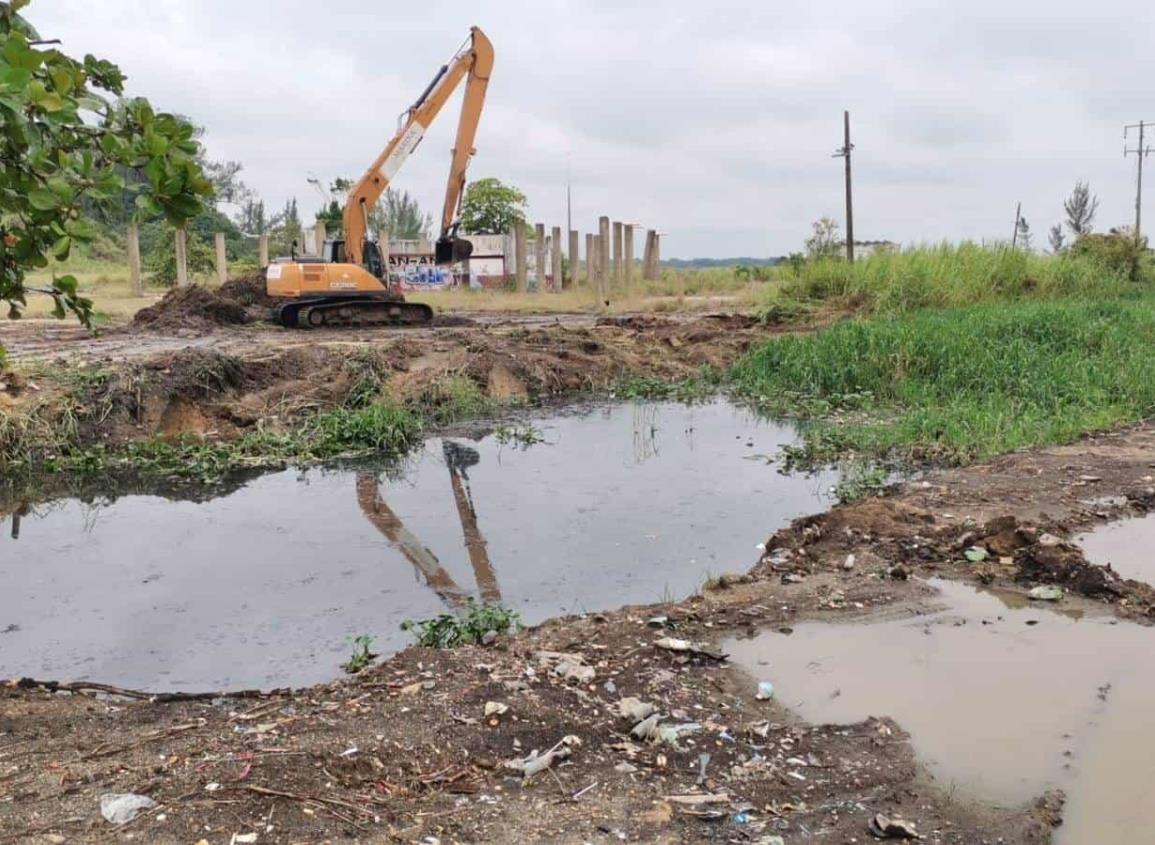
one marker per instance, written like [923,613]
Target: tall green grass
[963,383]
[942,276]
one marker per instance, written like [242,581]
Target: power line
[1141,151]
[844,152]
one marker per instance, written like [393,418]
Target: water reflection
[458,459]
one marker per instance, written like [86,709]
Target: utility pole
[1018,216]
[1141,152]
[844,152]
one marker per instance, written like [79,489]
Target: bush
[1117,250]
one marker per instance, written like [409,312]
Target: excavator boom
[475,62]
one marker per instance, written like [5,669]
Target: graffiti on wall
[418,272]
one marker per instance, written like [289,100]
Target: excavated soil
[191,309]
[237,378]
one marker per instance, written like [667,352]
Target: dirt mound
[248,291]
[194,308]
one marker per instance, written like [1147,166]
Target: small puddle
[996,707]
[1128,545]
[634,503]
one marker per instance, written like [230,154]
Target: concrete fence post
[520,256]
[319,235]
[222,260]
[647,246]
[648,268]
[603,254]
[263,251]
[591,273]
[181,258]
[617,253]
[628,256]
[657,256]
[557,264]
[539,255]
[134,269]
[574,259]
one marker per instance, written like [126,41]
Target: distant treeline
[685,263]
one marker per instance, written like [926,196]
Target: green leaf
[66,284]
[62,248]
[43,200]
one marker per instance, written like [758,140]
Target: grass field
[959,384]
[943,276]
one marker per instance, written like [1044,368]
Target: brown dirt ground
[404,753]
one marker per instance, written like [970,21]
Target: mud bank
[135,386]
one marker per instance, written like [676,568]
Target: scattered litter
[647,729]
[489,637]
[703,762]
[570,667]
[122,808]
[625,768]
[741,818]
[887,828]
[535,763]
[658,621]
[670,734]
[634,709]
[496,708]
[243,838]
[1049,541]
[770,840]
[691,647]
[1046,593]
[976,554]
[848,564]
[765,691]
[699,799]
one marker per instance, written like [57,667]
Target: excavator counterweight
[348,284]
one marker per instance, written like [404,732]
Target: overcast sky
[713,121]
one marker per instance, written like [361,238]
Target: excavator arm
[475,61]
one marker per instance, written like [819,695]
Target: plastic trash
[765,691]
[1046,593]
[121,808]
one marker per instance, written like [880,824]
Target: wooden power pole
[1141,152]
[1015,233]
[844,152]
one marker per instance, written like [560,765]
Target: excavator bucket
[452,250]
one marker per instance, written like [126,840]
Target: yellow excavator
[348,284]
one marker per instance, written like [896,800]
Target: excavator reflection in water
[458,459]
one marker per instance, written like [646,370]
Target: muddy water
[1127,545]
[998,708]
[263,586]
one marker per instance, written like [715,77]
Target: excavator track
[337,312]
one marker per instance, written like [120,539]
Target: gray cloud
[713,122]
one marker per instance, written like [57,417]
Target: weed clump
[468,627]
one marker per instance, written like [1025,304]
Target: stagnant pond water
[1127,545]
[264,586]
[1002,700]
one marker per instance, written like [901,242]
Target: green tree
[490,207]
[400,214]
[1081,206]
[824,241]
[65,144]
